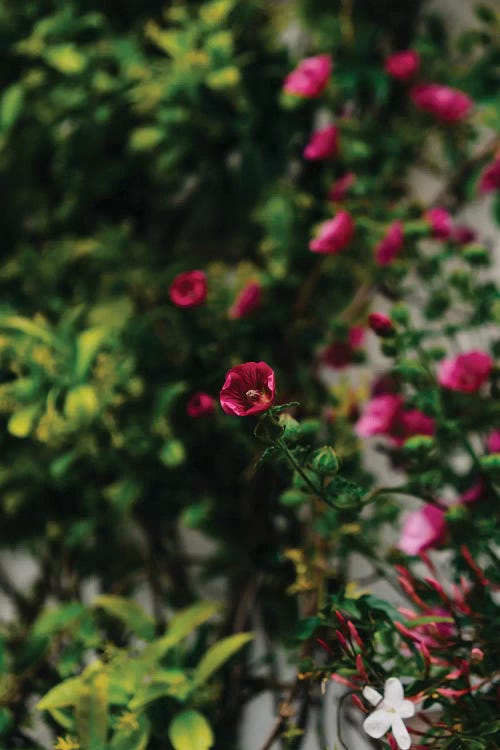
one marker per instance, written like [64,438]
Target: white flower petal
[372,695]
[393,692]
[378,723]
[406,709]
[400,733]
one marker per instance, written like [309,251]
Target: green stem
[298,468]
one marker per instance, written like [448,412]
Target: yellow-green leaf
[180,627]
[11,105]
[81,404]
[67,693]
[190,731]
[92,713]
[22,421]
[129,612]
[66,59]
[218,654]
[135,738]
[87,345]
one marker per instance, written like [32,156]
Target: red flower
[490,177]
[381,324]
[403,65]
[340,354]
[462,234]
[465,372]
[334,235]
[189,289]
[339,189]
[200,405]
[391,245]
[422,529]
[323,143]
[447,104]
[310,77]
[409,422]
[440,221]
[493,442]
[248,300]
[248,389]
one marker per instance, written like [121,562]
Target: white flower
[391,709]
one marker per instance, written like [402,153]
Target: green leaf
[88,344]
[66,59]
[132,739]
[218,654]
[190,731]
[428,620]
[58,618]
[81,404]
[180,627]
[92,713]
[22,421]
[67,693]
[10,106]
[129,612]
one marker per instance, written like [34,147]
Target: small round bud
[325,461]
[381,325]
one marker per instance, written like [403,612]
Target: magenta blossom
[403,65]
[334,235]
[200,405]
[493,442]
[472,495]
[489,180]
[310,77]
[391,244]
[248,389]
[340,354]
[248,300]
[440,222]
[189,289]
[432,634]
[462,234]
[465,372]
[445,103]
[422,529]
[381,324]
[409,422]
[379,415]
[340,188]
[323,144]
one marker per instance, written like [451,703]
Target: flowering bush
[209,214]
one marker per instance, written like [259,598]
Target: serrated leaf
[129,612]
[218,654]
[190,731]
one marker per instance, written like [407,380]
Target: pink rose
[310,77]
[248,389]
[200,405]
[381,324]
[490,177]
[340,188]
[323,143]
[493,442]
[462,234]
[403,65]
[440,222]
[334,235]
[422,529]
[248,300]
[465,372]
[447,104]
[391,244]
[378,415]
[189,289]
[340,354]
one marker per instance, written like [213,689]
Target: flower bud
[381,325]
[325,461]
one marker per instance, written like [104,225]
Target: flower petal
[406,709]
[393,692]
[372,695]
[400,733]
[378,723]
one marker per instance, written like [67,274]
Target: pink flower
[334,235]
[409,422]
[189,289]
[248,300]
[493,442]
[340,354]
[391,245]
[465,372]
[381,324]
[440,221]
[310,77]
[490,177]
[447,104]
[403,65]
[462,234]
[323,143]
[378,415]
[432,634]
[200,405]
[422,529]
[472,495]
[339,189]
[248,389]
